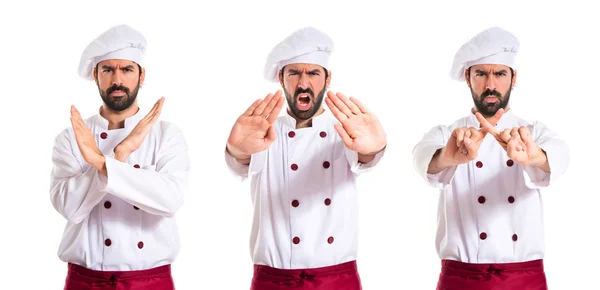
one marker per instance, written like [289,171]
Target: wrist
[120,153]
[440,161]
[236,154]
[100,162]
[541,160]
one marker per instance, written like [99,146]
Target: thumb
[271,135]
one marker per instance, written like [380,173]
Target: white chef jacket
[123,221]
[304,196]
[490,209]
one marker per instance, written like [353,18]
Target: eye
[314,73]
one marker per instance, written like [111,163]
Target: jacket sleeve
[557,152]
[158,189]
[75,188]
[356,166]
[423,152]
[242,172]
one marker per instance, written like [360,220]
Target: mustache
[489,92]
[304,91]
[117,88]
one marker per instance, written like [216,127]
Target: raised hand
[134,140]
[463,144]
[360,129]
[85,141]
[253,130]
[518,144]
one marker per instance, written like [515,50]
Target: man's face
[490,86]
[300,82]
[118,82]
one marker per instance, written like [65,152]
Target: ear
[514,78]
[467,78]
[328,80]
[142,76]
[96,76]
[280,74]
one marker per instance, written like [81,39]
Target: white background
[207,61]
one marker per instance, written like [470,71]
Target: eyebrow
[485,73]
[122,68]
[298,71]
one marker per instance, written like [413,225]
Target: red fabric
[508,276]
[343,276]
[81,278]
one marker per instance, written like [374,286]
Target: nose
[304,81]
[117,78]
[490,83]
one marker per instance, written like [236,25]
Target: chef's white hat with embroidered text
[119,42]
[491,46]
[306,45]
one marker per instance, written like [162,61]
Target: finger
[161,103]
[75,112]
[472,150]
[360,106]
[275,112]
[463,149]
[271,135]
[258,111]
[514,144]
[339,104]
[486,126]
[335,111]
[469,133]
[460,136]
[252,107]
[353,107]
[505,135]
[344,135]
[526,135]
[514,132]
[274,101]
[150,114]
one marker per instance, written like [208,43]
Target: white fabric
[461,218]
[274,186]
[119,42]
[491,46]
[79,192]
[306,45]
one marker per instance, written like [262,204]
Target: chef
[491,167]
[303,168]
[119,177]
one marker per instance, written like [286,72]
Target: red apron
[506,276]
[81,278]
[343,276]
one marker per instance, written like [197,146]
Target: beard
[119,104]
[315,102]
[489,109]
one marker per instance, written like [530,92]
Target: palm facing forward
[360,129]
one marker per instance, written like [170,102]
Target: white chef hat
[491,46]
[306,45]
[119,42]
